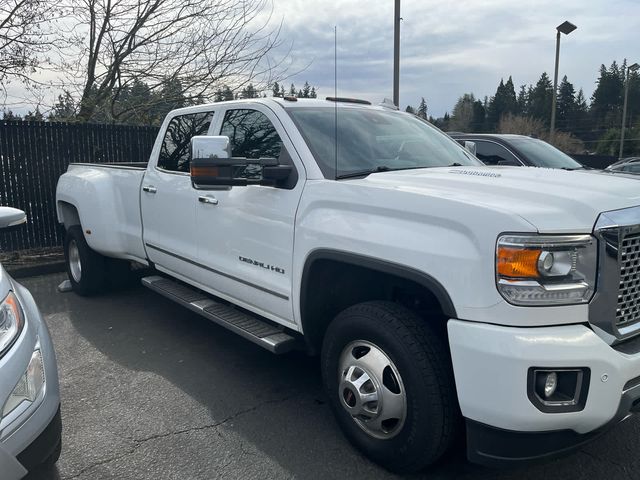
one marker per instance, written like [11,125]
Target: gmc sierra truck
[444,297]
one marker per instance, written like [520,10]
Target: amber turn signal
[518,262]
[206,171]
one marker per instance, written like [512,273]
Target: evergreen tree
[510,100]
[540,98]
[607,98]
[479,118]
[313,93]
[10,116]
[633,102]
[445,121]
[305,92]
[422,109]
[35,116]
[502,103]
[522,101]
[249,92]
[135,105]
[462,114]
[410,109]
[275,89]
[64,110]
[292,90]
[223,94]
[565,104]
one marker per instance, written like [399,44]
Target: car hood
[552,200]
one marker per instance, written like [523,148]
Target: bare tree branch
[25,35]
[185,49]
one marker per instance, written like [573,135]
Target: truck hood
[553,201]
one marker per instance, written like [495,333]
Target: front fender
[451,240]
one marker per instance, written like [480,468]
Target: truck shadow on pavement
[151,390]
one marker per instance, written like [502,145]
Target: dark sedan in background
[626,165]
[518,150]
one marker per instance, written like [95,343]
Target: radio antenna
[335,92]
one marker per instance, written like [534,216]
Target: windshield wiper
[385,168]
[363,173]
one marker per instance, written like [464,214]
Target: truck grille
[628,310]
[615,308]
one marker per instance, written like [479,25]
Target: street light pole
[631,68]
[566,28]
[396,54]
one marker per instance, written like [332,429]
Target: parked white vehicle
[30,425]
[435,289]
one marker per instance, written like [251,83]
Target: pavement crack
[215,424]
[137,443]
[99,463]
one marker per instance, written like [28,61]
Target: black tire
[118,274]
[432,419]
[55,455]
[91,278]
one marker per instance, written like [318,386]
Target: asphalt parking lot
[153,391]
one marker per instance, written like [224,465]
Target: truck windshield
[542,154]
[371,140]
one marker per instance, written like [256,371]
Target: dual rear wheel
[88,271]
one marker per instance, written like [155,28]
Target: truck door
[245,234]
[169,202]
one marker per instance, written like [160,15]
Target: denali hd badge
[261,264]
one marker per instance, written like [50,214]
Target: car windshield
[371,140]
[542,154]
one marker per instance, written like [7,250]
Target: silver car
[30,424]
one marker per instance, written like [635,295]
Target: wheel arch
[325,263]
[68,214]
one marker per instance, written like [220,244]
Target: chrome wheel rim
[75,265]
[371,390]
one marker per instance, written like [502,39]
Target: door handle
[149,189]
[208,199]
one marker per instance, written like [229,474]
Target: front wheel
[85,267]
[390,384]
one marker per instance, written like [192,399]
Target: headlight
[11,322]
[546,269]
[30,384]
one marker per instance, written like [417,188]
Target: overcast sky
[449,48]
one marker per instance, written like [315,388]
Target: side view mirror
[11,218]
[471,146]
[213,166]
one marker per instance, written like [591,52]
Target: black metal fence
[33,155]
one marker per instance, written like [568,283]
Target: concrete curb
[35,270]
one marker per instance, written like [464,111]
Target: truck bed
[111,205]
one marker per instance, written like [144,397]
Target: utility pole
[396,55]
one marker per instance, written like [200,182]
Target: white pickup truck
[442,295]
